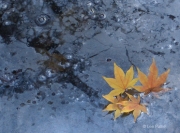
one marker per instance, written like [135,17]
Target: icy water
[55,52]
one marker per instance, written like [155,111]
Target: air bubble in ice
[82,60]
[82,96]
[61,65]
[89,3]
[77,99]
[82,16]
[67,64]
[41,78]
[141,94]
[72,97]
[87,63]
[30,87]
[49,73]
[7,22]
[13,83]
[102,16]
[13,10]
[7,77]
[96,1]
[91,11]
[74,88]
[93,16]
[118,19]
[68,56]
[82,101]
[59,93]
[169,46]
[42,19]
[75,66]
[52,116]
[4,6]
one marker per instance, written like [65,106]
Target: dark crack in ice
[54,54]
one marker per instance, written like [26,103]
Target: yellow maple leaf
[121,82]
[133,105]
[151,83]
[114,106]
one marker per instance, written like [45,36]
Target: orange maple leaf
[114,106]
[133,105]
[121,82]
[151,83]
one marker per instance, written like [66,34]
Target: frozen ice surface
[55,52]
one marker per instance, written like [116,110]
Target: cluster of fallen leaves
[121,101]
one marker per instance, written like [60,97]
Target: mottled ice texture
[55,52]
